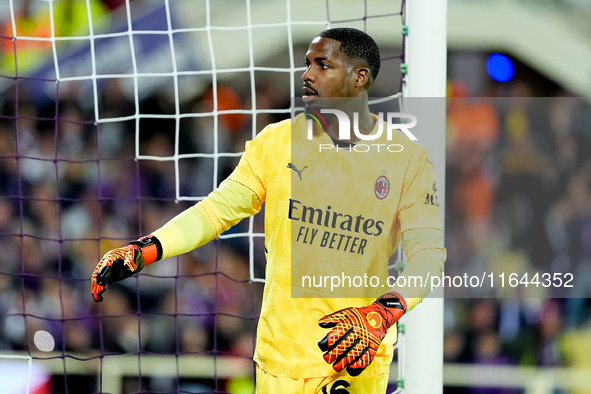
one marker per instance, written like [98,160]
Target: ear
[363,79]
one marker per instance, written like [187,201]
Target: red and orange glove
[121,263]
[357,332]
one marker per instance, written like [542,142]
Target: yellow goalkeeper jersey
[330,212]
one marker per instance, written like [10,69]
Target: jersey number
[337,388]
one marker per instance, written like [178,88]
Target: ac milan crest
[382,187]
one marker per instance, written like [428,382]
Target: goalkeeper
[332,210]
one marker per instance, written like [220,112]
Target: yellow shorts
[271,384]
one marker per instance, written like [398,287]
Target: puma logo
[293,167]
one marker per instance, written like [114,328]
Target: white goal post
[425,86]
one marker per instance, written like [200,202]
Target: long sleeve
[204,221]
[426,256]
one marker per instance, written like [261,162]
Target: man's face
[329,72]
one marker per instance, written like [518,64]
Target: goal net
[115,116]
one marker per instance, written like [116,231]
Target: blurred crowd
[32,18]
[71,190]
[518,189]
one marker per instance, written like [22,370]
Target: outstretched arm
[223,208]
[194,227]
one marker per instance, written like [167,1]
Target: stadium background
[518,194]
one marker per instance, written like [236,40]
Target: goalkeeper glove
[357,332]
[121,263]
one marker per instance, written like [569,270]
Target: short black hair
[356,44]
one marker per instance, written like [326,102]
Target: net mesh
[115,116]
